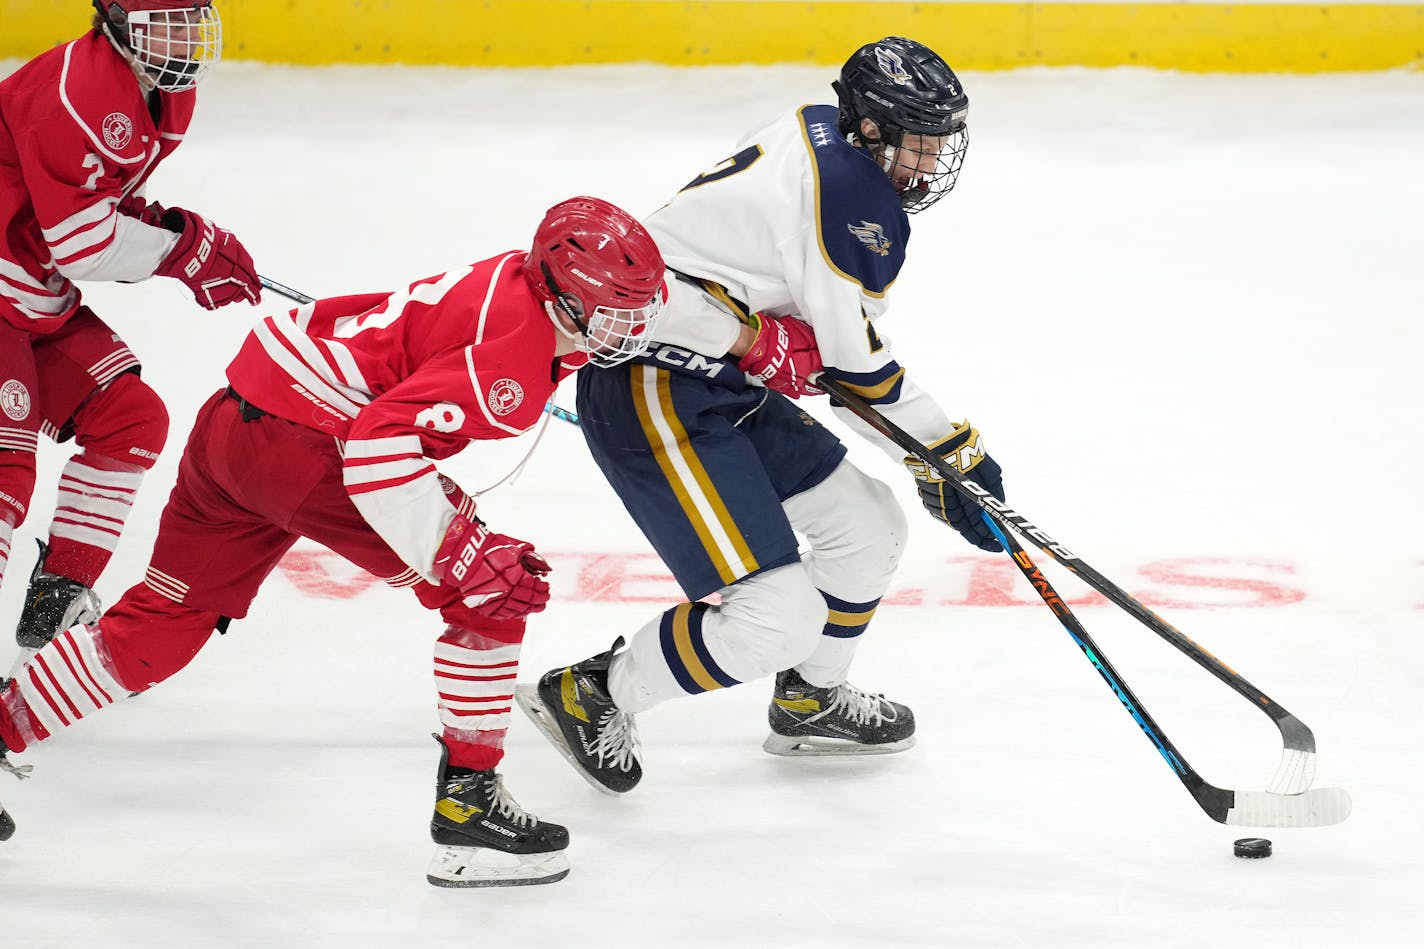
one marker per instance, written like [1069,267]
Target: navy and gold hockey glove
[963,449]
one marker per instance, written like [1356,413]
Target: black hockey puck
[1252,848]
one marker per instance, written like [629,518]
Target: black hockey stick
[296,296]
[1288,800]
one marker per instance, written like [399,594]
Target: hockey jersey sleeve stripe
[384,447]
[701,504]
[131,252]
[33,305]
[875,387]
[296,359]
[382,477]
[83,245]
[100,211]
[15,275]
[343,363]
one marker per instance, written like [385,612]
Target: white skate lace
[860,707]
[85,610]
[617,742]
[507,807]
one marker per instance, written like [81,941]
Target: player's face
[916,159]
[177,36]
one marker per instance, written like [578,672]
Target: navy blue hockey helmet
[905,88]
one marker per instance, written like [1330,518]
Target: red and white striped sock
[68,679]
[95,496]
[474,676]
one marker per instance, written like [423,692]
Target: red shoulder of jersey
[96,89]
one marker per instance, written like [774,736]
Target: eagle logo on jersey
[872,235]
[15,400]
[505,396]
[118,130]
[892,65]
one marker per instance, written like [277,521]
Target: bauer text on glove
[964,450]
[209,261]
[783,355]
[498,575]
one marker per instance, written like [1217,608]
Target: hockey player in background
[784,253]
[81,129]
[334,417]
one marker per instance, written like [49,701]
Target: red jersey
[77,137]
[406,377]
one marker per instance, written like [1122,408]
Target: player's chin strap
[296,296]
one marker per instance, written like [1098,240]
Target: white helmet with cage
[172,43]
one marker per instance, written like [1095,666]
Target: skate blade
[481,866]
[527,698]
[805,746]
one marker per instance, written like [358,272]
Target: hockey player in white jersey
[783,254]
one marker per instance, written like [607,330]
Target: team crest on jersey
[872,235]
[892,65]
[118,130]
[15,400]
[505,396]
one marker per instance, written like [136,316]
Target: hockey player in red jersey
[82,127]
[329,429]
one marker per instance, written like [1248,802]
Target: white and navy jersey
[800,222]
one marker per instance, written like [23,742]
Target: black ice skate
[571,706]
[52,605]
[484,838]
[839,720]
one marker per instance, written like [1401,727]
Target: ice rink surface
[1184,310]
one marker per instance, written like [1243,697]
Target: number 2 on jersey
[726,168]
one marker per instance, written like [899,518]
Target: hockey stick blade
[1318,807]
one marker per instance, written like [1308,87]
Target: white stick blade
[1319,807]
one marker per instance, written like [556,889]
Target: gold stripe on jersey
[880,389]
[700,487]
[720,294]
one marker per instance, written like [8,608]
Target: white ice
[1185,311]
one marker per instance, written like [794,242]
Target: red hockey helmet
[598,265]
[174,42]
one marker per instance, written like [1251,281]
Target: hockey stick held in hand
[1287,800]
[296,296]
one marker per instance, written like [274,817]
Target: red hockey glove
[498,576]
[209,261]
[783,355]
